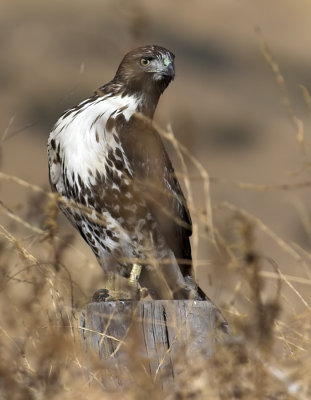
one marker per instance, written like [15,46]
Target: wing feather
[154,173]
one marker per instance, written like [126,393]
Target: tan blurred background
[224,105]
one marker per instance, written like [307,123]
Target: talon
[100,295]
[143,292]
[117,295]
[130,291]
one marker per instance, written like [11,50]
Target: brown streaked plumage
[106,155]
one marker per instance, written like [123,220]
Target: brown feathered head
[147,69]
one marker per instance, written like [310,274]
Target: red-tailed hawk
[105,155]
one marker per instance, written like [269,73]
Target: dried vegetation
[46,281]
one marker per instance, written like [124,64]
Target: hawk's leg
[134,276]
[134,279]
[128,290]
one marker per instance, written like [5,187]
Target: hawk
[107,159]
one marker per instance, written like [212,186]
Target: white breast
[83,139]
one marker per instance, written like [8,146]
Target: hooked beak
[165,69]
[169,70]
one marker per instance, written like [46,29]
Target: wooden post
[157,338]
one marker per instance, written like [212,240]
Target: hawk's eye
[144,62]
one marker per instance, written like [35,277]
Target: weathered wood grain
[157,338]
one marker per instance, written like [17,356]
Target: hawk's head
[146,70]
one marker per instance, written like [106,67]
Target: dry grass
[46,280]
[41,354]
